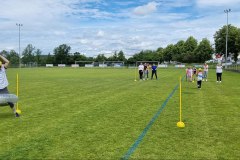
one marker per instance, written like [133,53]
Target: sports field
[104,114]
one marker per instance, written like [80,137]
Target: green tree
[79,57]
[189,47]
[62,54]
[204,51]
[4,53]
[179,51]
[28,54]
[121,56]
[114,57]
[237,44]
[220,40]
[168,52]
[159,53]
[49,59]
[38,53]
[101,58]
[13,57]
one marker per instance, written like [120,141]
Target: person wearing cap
[4,81]
[199,78]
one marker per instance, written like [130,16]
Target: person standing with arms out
[154,71]
[199,78]
[140,71]
[205,72]
[4,82]
[219,71]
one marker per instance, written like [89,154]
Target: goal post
[115,64]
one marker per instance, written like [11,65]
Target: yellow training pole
[18,110]
[180,124]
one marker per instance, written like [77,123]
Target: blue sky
[95,27]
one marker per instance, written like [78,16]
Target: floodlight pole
[19,26]
[226,11]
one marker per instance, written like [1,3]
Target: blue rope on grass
[144,132]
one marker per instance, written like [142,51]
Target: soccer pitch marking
[144,132]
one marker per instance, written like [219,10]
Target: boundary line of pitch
[144,132]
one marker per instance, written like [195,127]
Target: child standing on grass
[219,72]
[4,82]
[189,74]
[140,71]
[199,78]
[205,72]
[194,74]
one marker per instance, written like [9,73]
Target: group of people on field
[194,74]
[144,70]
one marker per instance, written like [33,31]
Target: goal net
[115,64]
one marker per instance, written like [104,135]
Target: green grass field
[99,114]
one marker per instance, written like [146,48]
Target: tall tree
[28,54]
[4,53]
[38,53]
[168,52]
[13,57]
[189,47]
[114,57]
[77,57]
[159,56]
[101,58]
[121,56]
[179,51]
[62,54]
[237,44]
[204,51]
[49,59]
[220,40]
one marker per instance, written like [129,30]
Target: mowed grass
[99,113]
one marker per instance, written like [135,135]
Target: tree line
[189,51]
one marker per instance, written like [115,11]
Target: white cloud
[100,33]
[94,28]
[145,9]
[223,3]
